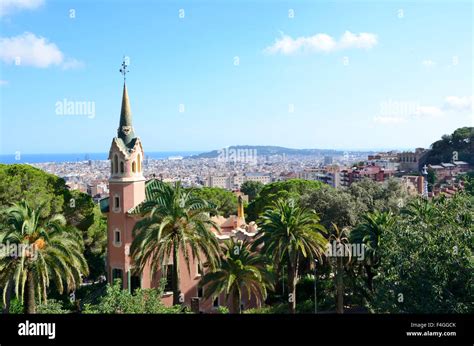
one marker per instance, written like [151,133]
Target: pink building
[127,190]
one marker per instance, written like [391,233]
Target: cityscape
[208,164]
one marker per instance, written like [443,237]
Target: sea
[77,157]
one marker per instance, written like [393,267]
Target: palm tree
[369,233]
[290,232]
[420,210]
[240,270]
[175,221]
[341,244]
[46,250]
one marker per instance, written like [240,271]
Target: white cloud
[9,6]
[29,50]
[389,120]
[321,43]
[456,103]
[363,40]
[3,82]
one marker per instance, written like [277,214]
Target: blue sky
[301,74]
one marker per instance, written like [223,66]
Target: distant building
[327,175]
[447,170]
[224,182]
[375,173]
[413,184]
[263,178]
[328,160]
[412,161]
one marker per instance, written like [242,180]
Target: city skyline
[206,76]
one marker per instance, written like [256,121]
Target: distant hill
[267,150]
[460,143]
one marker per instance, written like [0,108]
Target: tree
[431,178]
[334,206]
[368,233]
[340,242]
[175,221]
[224,201]
[20,182]
[372,195]
[119,301]
[47,251]
[23,182]
[288,234]
[289,189]
[426,259]
[240,270]
[251,189]
[457,146]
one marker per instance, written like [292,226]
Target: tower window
[117,274]
[121,167]
[117,237]
[215,303]
[134,167]
[117,202]
[115,163]
[111,167]
[169,278]
[200,291]
[139,160]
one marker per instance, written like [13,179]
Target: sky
[205,75]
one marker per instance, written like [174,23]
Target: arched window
[139,160]
[121,167]
[116,163]
[111,167]
[134,167]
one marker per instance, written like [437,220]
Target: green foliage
[224,201]
[240,271]
[16,307]
[175,221]
[290,189]
[52,306]
[334,206]
[288,235]
[119,301]
[373,196]
[251,189]
[82,213]
[345,207]
[460,141]
[426,259]
[431,178]
[23,182]
[222,310]
[53,254]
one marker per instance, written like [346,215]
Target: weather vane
[124,69]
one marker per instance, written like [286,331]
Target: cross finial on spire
[124,69]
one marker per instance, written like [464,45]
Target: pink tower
[127,190]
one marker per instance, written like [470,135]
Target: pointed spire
[125,130]
[126,112]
